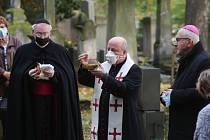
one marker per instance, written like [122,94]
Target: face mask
[3,32]
[42,41]
[111,57]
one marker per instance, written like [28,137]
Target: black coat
[20,123]
[128,89]
[186,102]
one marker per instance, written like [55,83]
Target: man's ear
[190,43]
[50,35]
[33,32]
[124,52]
[202,89]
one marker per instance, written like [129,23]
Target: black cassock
[43,109]
[128,89]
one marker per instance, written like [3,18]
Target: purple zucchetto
[189,31]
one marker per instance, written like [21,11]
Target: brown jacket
[12,46]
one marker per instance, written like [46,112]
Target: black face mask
[42,41]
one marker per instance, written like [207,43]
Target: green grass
[85,95]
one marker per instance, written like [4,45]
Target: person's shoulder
[25,47]
[202,58]
[13,38]
[205,57]
[204,54]
[205,112]
[58,47]
[14,41]
[56,44]
[135,68]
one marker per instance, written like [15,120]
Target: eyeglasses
[42,34]
[179,39]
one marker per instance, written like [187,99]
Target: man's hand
[45,71]
[6,74]
[83,58]
[34,73]
[166,97]
[99,72]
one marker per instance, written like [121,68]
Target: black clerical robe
[45,109]
[26,105]
[128,90]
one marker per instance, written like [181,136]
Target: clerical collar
[41,46]
[120,65]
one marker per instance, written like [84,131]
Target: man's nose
[42,36]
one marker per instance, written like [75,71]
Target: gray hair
[125,44]
[203,84]
[34,26]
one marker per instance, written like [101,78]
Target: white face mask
[3,32]
[111,57]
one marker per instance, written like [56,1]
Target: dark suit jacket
[185,100]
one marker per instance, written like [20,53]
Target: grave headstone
[121,22]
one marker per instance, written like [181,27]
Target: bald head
[118,42]
[118,45]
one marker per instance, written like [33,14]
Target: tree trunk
[49,12]
[165,32]
[197,13]
[157,36]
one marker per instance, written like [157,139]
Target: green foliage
[34,9]
[24,27]
[148,8]
[145,8]
[86,123]
[19,22]
[85,95]
[177,12]
[64,8]
[17,13]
